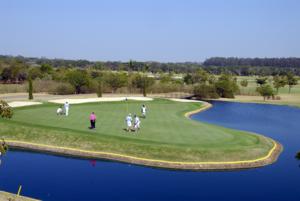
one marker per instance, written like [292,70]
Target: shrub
[204,91]
[265,91]
[5,110]
[226,86]
[244,83]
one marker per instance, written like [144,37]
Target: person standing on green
[93,120]
[143,110]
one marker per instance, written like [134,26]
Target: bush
[226,86]
[79,79]
[5,110]
[266,91]
[204,91]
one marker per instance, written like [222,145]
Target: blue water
[57,178]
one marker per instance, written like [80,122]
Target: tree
[130,66]
[200,76]
[116,80]
[6,74]
[5,110]
[165,78]
[78,79]
[143,82]
[30,89]
[261,80]
[244,83]
[35,73]
[226,86]
[204,91]
[279,82]
[212,79]
[265,91]
[188,79]
[291,80]
[99,87]
[46,68]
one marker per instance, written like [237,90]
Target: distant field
[251,88]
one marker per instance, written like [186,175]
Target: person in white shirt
[59,111]
[143,110]
[128,122]
[67,105]
[137,123]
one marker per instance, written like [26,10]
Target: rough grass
[165,134]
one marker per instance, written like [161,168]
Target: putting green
[165,134]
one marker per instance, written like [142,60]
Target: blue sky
[150,30]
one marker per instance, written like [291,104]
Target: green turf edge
[140,148]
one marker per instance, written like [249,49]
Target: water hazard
[57,178]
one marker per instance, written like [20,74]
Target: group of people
[63,110]
[133,124]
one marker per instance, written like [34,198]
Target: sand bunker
[23,103]
[104,99]
[185,100]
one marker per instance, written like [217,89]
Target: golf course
[168,138]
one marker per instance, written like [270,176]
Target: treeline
[253,66]
[67,80]
[215,65]
[151,66]
[271,62]
[75,80]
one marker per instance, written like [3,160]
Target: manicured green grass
[164,134]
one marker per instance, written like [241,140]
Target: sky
[150,30]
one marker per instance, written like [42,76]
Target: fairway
[165,134]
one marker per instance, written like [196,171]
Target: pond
[49,177]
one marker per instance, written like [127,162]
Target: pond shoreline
[10,196]
[271,157]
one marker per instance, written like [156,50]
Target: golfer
[67,105]
[59,111]
[137,123]
[93,120]
[128,120]
[143,110]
